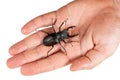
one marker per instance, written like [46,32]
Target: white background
[14,14]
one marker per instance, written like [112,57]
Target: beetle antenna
[64,22]
[53,24]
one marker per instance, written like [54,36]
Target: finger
[29,42]
[52,62]
[31,55]
[90,60]
[40,21]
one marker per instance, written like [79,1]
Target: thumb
[88,61]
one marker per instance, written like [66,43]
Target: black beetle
[57,37]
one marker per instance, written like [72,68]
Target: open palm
[96,23]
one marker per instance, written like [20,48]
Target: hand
[97,23]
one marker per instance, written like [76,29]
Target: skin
[97,23]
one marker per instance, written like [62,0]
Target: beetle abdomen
[50,40]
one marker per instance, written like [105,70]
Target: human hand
[97,23]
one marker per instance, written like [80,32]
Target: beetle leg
[68,42]
[44,32]
[64,41]
[62,47]
[50,49]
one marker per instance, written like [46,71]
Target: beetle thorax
[62,35]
